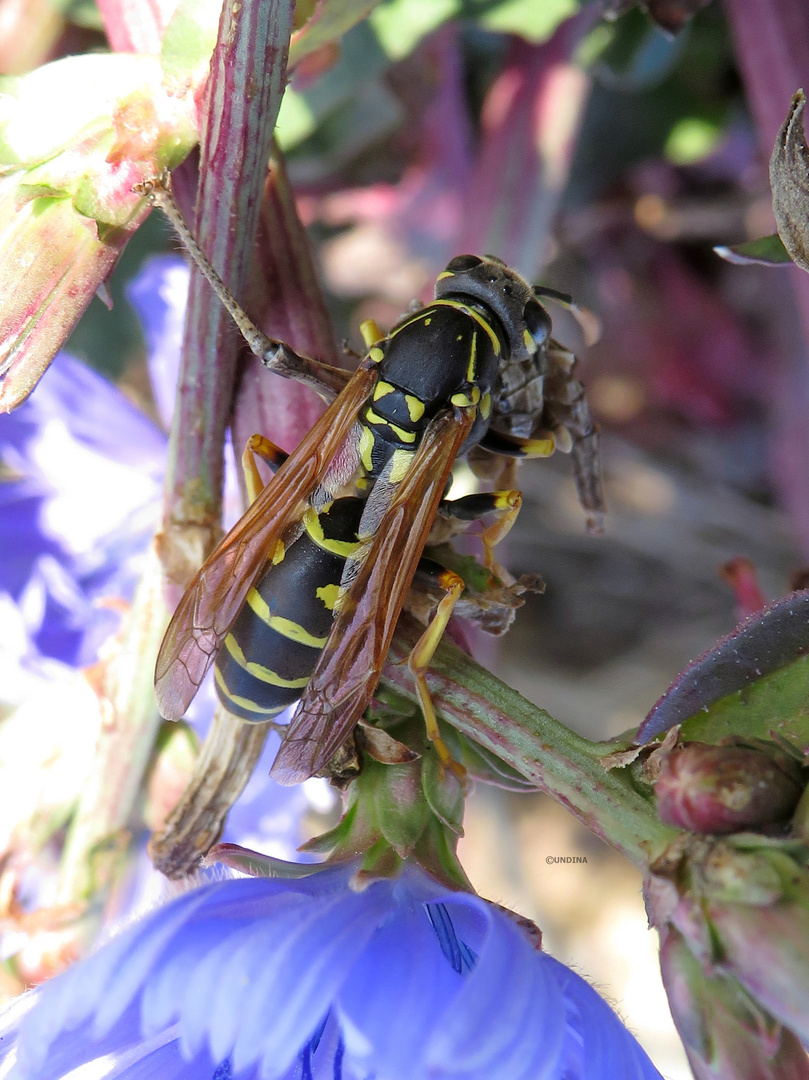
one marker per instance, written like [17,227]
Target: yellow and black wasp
[302,596]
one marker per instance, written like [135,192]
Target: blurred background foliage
[605,158]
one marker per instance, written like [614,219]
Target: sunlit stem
[97,835]
[558,761]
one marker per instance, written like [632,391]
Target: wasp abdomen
[270,651]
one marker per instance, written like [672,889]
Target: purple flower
[268,978]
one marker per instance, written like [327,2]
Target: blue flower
[81,500]
[260,978]
[81,480]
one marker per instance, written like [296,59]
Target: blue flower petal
[608,1048]
[395,995]
[508,1017]
[296,990]
[164,992]
[102,986]
[214,998]
[95,412]
[307,980]
[159,294]
[75,439]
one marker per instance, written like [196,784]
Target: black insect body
[538,393]
[270,651]
[421,397]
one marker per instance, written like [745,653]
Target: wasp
[302,596]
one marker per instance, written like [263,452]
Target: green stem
[558,761]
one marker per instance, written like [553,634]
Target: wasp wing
[213,599]
[351,662]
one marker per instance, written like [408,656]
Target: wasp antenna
[589,323]
[158,191]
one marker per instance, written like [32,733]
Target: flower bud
[75,137]
[725,789]
[726,1035]
[741,907]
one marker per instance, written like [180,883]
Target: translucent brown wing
[351,662]
[213,599]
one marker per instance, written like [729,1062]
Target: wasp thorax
[525,323]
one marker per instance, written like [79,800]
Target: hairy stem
[559,762]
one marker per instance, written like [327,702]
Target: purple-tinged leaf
[789,177]
[767,251]
[530,121]
[75,138]
[762,644]
[288,303]
[136,27]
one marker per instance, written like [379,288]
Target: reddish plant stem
[248,73]
[136,25]
[288,300]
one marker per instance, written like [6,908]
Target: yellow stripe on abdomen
[285,627]
[243,702]
[258,671]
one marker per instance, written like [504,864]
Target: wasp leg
[371,333]
[259,447]
[502,506]
[422,654]
[328,381]
[496,442]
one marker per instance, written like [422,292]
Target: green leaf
[332,838]
[190,37]
[532,21]
[631,53]
[401,24]
[330,21]
[55,105]
[473,574]
[692,139]
[336,98]
[256,864]
[485,766]
[444,793]
[401,809]
[767,250]
[778,702]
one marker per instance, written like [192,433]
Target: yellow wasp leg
[419,661]
[502,506]
[506,507]
[371,333]
[259,447]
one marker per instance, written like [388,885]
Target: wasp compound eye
[537,322]
[463,262]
